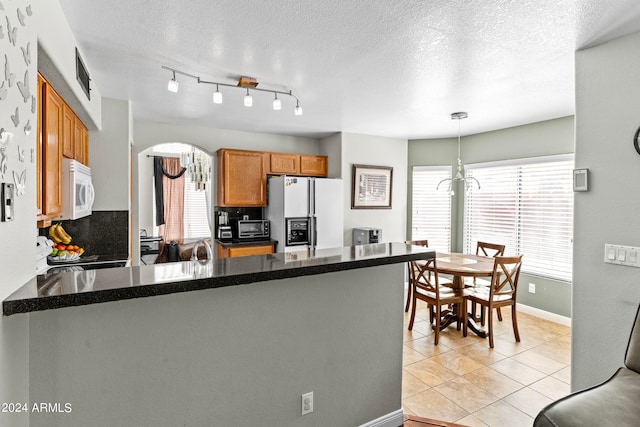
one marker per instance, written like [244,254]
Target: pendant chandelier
[198,167]
[459,175]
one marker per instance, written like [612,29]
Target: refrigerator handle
[315,232]
[312,196]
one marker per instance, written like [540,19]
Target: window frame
[434,242]
[526,210]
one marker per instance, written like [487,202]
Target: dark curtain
[158,172]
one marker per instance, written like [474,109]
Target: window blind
[527,205]
[196,223]
[431,209]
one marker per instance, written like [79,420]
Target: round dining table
[463,265]
[459,266]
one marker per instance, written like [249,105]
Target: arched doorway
[195,207]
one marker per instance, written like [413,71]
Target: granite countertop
[236,243]
[51,291]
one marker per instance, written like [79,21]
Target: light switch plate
[6,201]
[622,255]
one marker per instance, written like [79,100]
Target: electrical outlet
[532,288]
[307,403]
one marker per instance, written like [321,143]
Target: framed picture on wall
[371,187]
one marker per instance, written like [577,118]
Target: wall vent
[82,75]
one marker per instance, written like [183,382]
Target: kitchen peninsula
[328,321]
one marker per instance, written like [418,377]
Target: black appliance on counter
[366,235]
[149,249]
[224,233]
[252,229]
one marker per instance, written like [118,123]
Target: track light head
[173,84]
[248,99]
[277,104]
[217,96]
[298,110]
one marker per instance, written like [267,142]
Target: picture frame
[371,187]
[581,180]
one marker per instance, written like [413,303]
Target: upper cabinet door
[68,120]
[79,136]
[283,163]
[52,152]
[313,165]
[242,178]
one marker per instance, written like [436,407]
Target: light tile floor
[462,380]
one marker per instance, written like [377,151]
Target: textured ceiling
[380,67]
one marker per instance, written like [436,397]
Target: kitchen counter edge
[111,284]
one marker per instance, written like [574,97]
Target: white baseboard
[563,320]
[392,419]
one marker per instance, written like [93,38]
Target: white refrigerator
[305,213]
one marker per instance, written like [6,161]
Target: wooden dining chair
[426,288]
[501,292]
[489,250]
[424,243]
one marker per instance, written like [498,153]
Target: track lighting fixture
[243,83]
[217,96]
[173,84]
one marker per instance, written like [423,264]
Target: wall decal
[8,75]
[24,87]
[20,181]
[15,118]
[26,54]
[27,128]
[33,155]
[20,154]
[3,164]
[29,12]
[3,91]
[33,104]
[5,139]
[1,6]
[1,32]
[12,31]
[21,18]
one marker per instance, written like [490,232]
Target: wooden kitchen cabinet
[242,178]
[52,141]
[313,165]
[68,125]
[283,163]
[80,141]
[74,137]
[237,251]
[39,150]
[60,134]
[297,164]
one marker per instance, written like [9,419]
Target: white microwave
[77,190]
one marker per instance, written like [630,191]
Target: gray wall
[17,254]
[533,140]
[605,296]
[195,359]
[109,157]
[376,151]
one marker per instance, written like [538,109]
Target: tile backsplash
[101,233]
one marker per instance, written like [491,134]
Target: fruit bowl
[64,258]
